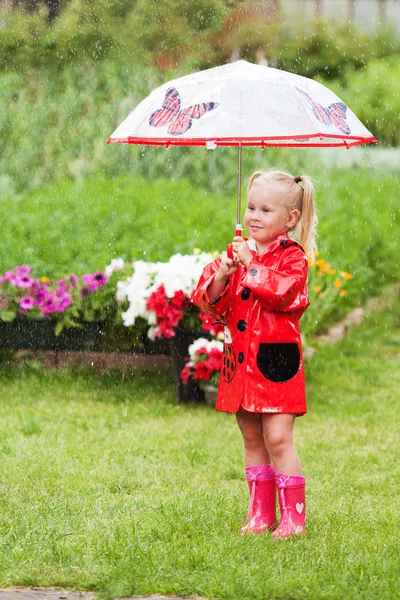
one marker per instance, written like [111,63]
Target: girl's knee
[278,445]
[278,436]
[251,429]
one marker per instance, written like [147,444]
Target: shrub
[373,94]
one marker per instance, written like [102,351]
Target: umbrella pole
[239,196]
[238,230]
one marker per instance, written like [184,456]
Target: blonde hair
[298,197]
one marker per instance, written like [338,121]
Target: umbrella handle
[229,249]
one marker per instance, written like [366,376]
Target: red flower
[203,371]
[157,301]
[168,311]
[164,330]
[185,374]
[215,359]
[178,299]
[202,350]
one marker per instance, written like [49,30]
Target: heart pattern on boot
[300,507]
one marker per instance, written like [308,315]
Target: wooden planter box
[38,334]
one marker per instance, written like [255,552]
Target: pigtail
[309,219]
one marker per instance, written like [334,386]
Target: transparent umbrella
[242,104]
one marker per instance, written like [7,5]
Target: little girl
[260,295]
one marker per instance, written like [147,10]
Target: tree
[318,9]
[351,5]
[250,25]
[382,12]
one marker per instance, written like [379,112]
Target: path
[19,593]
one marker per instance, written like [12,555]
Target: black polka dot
[240,357]
[241,325]
[245,295]
[253,272]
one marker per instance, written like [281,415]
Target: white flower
[121,292]
[181,272]
[204,343]
[150,334]
[117,264]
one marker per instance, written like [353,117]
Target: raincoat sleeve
[219,305]
[281,289]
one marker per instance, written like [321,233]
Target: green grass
[107,484]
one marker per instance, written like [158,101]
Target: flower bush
[327,290]
[161,293]
[205,361]
[68,301]
[148,297]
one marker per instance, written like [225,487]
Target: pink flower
[26,302]
[48,305]
[63,303]
[72,279]
[23,281]
[23,270]
[8,276]
[95,280]
[90,282]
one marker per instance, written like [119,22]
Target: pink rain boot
[292,503]
[262,508]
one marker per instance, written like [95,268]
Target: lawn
[107,484]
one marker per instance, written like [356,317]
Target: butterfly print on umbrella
[179,120]
[335,114]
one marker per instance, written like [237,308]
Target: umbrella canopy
[242,104]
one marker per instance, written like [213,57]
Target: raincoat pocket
[279,362]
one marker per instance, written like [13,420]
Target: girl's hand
[241,251]
[227,267]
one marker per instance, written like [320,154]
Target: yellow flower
[338,283]
[317,289]
[320,273]
[321,263]
[45,280]
[346,275]
[331,271]
[343,292]
[196,251]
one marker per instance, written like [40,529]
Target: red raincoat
[261,307]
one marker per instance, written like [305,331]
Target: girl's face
[266,216]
